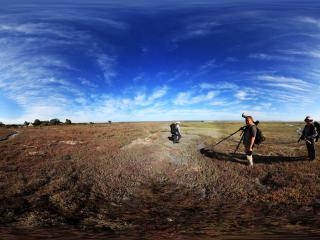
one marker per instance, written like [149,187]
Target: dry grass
[122,175]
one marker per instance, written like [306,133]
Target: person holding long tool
[309,133]
[249,135]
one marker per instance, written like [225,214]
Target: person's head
[177,122]
[249,120]
[308,120]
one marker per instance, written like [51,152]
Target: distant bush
[2,124]
[26,123]
[36,122]
[45,123]
[55,121]
[109,122]
[68,121]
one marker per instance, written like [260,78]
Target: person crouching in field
[249,135]
[175,132]
[309,133]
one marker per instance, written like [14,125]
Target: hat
[177,122]
[308,119]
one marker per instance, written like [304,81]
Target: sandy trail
[162,151]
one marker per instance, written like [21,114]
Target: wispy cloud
[286,91]
[241,95]
[158,93]
[310,20]
[87,83]
[39,30]
[289,83]
[34,78]
[189,98]
[143,99]
[107,64]
[231,59]
[196,28]
[208,65]
[218,86]
[269,57]
[312,53]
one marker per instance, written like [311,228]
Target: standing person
[175,132]
[309,133]
[249,135]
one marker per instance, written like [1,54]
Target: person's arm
[314,133]
[253,133]
[252,143]
[178,129]
[302,137]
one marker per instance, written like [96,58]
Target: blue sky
[159,60]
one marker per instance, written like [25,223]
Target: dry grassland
[127,175]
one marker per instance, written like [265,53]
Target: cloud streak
[189,98]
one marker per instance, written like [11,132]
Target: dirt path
[163,152]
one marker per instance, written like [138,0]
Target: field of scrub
[122,177]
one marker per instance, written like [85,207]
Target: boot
[250,159]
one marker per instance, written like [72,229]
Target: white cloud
[261,56]
[196,28]
[87,83]
[33,78]
[189,98]
[158,93]
[45,30]
[287,86]
[310,20]
[288,83]
[241,95]
[107,64]
[138,78]
[143,99]
[269,57]
[313,53]
[218,86]
[209,65]
[219,103]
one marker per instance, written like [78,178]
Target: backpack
[259,137]
[317,126]
[173,128]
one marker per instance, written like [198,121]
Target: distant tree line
[54,121]
[37,122]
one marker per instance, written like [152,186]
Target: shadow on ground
[240,158]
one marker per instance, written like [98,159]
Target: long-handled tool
[304,140]
[242,135]
[240,129]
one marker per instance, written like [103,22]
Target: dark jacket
[309,132]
